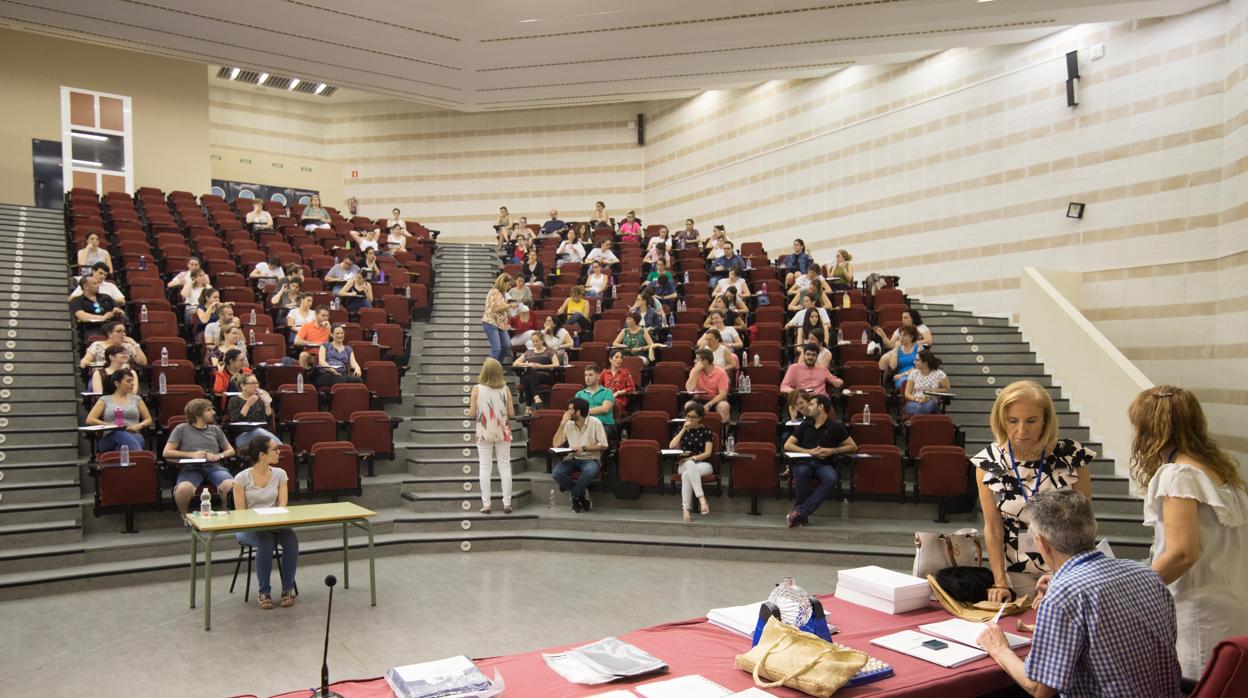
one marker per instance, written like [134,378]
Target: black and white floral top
[1056,470]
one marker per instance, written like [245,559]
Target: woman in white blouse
[571,250]
[1197,504]
[301,315]
[264,485]
[925,376]
[733,280]
[596,282]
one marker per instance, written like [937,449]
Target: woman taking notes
[260,486]
[490,403]
[1026,457]
[1197,504]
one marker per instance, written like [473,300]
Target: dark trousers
[534,381]
[807,501]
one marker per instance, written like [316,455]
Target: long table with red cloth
[698,647]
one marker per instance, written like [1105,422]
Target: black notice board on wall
[285,195]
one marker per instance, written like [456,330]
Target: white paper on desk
[670,451]
[560,449]
[752,692]
[967,633]
[695,686]
[192,461]
[266,511]
[98,427]
[739,619]
[911,643]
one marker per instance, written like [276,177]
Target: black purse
[965,584]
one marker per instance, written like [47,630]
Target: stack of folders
[883,590]
[949,643]
[453,676]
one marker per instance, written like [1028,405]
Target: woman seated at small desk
[259,486]
[124,407]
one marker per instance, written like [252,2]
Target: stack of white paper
[967,632]
[881,589]
[739,619]
[911,643]
[695,686]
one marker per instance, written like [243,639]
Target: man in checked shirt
[1105,628]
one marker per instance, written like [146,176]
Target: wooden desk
[206,530]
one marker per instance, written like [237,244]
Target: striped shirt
[1106,629]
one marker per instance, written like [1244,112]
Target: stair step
[45,491]
[40,512]
[447,501]
[22,535]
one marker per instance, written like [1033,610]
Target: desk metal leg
[346,569]
[208,583]
[194,564]
[372,572]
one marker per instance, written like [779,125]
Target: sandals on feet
[506,508]
[486,509]
[265,601]
[288,599]
[706,508]
[684,514]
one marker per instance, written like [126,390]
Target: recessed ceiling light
[234,72]
[294,82]
[262,79]
[983,0]
[320,88]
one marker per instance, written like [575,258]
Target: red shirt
[710,385]
[518,325]
[812,380]
[619,382]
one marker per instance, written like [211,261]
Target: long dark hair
[929,358]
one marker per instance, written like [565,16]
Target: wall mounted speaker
[641,129]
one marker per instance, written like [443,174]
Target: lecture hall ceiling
[477,55]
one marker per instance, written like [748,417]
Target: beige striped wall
[447,169]
[955,172]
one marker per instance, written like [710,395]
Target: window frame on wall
[76,172]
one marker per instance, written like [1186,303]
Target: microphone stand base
[326,693]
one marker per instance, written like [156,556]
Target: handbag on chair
[799,660]
[936,551]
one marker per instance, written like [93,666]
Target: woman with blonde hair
[1197,504]
[490,404]
[496,319]
[842,273]
[1025,458]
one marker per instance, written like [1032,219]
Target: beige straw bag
[790,657]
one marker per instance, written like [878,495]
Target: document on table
[670,451]
[967,633]
[266,511]
[695,686]
[911,643]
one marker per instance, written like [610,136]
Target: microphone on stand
[323,691]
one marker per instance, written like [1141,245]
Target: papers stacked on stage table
[739,619]
[967,632]
[443,678]
[602,662]
[883,590]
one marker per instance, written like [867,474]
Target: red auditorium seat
[662,398]
[650,425]
[943,471]
[382,378]
[334,470]
[928,430]
[640,462]
[757,426]
[126,489]
[310,428]
[880,431]
[881,475]
[372,432]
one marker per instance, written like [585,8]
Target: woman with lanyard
[1026,457]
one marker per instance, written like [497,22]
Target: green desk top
[299,514]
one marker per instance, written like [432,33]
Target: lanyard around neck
[1039,476]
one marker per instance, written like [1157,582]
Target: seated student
[708,384]
[725,358]
[696,446]
[301,315]
[252,404]
[521,294]
[655,255]
[336,361]
[603,253]
[199,438]
[1105,628]
[796,264]
[554,226]
[600,399]
[808,376]
[523,325]
[809,320]
[571,250]
[926,375]
[340,273]
[728,335]
[93,309]
[287,295]
[533,272]
[116,361]
[796,409]
[688,237]
[193,292]
[537,362]
[558,339]
[825,354]
[901,359]
[630,228]
[92,254]
[575,308]
[114,336]
[314,215]
[842,273]
[208,311]
[121,401]
[232,340]
[215,331]
[661,282]
[257,218]
[588,440]
[912,318]
[720,265]
[664,238]
[733,280]
[366,239]
[502,228]
[713,245]
[232,371]
[263,485]
[812,282]
[99,271]
[267,274]
[369,269]
[635,339]
[597,283]
[823,438]
[618,379]
[600,216]
[181,278]
[311,336]
[356,294]
[649,309]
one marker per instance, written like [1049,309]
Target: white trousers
[487,453]
[691,473]
[519,339]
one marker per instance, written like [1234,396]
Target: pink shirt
[812,380]
[708,386]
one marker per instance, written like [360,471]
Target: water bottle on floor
[205,503]
[550,503]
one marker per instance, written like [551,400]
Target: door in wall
[49,174]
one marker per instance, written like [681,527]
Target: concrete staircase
[39,461]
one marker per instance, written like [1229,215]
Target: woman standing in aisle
[490,403]
[1026,457]
[496,320]
[1197,504]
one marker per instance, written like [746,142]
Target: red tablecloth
[697,647]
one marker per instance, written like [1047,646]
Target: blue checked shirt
[1106,629]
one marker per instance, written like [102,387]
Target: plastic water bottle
[866,414]
[763,297]
[119,418]
[669,339]
[686,277]
[164,356]
[143,313]
[614,293]
[845,300]
[142,262]
[749,263]
[840,337]
[407,292]
[205,503]
[381,276]
[748,384]
[334,305]
[740,382]
[251,336]
[730,445]
[161,385]
[124,455]
[376,338]
[864,336]
[299,382]
[576,340]
[758,361]
[251,319]
[550,503]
